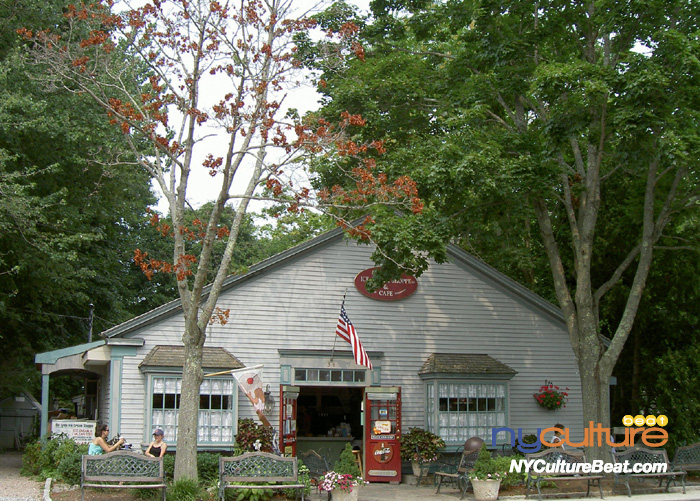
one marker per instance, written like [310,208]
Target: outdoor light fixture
[269,401]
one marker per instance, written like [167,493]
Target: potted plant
[420,447]
[486,477]
[552,397]
[343,487]
[345,479]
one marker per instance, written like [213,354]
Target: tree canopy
[563,133]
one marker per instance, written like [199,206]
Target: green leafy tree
[70,216]
[564,133]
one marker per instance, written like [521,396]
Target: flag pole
[335,337]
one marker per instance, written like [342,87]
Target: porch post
[44,404]
[115,390]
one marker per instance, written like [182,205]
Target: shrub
[513,479]
[304,478]
[69,469]
[32,459]
[252,495]
[169,466]
[488,468]
[44,457]
[346,463]
[527,439]
[208,467]
[420,445]
[249,432]
[185,489]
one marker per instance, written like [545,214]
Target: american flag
[347,331]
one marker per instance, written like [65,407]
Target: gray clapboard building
[468,349]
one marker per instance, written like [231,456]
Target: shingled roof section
[174,356]
[465,363]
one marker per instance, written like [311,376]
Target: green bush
[69,467]
[169,466]
[45,458]
[185,489]
[32,459]
[346,464]
[304,478]
[249,431]
[208,468]
[249,495]
[502,463]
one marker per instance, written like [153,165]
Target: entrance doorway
[324,411]
[328,418]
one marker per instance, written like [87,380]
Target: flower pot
[486,490]
[416,466]
[341,495]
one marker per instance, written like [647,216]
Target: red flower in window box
[552,397]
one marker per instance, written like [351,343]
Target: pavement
[408,491]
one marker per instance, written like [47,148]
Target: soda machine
[382,427]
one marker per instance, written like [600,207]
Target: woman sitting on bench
[99,444]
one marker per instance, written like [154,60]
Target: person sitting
[99,445]
[557,435]
[157,447]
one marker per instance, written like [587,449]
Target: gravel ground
[13,487]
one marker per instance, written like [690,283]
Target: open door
[382,426]
[288,420]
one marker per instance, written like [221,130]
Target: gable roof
[457,255]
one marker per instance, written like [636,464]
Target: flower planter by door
[486,490]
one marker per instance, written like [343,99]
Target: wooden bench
[642,456]
[122,470]
[562,457]
[281,472]
[687,458]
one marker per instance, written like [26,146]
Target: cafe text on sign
[393,290]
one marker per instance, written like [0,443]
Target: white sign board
[81,431]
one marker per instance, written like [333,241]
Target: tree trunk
[188,415]
[595,393]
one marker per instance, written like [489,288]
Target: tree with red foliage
[165,99]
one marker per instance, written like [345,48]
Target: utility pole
[92,309]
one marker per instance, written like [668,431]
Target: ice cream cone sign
[250,381]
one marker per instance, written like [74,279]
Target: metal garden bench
[562,457]
[122,470]
[280,472]
[687,458]
[643,456]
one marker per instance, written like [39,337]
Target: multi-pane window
[216,408]
[329,375]
[457,411]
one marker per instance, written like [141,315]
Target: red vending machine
[382,426]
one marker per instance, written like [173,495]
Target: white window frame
[221,424]
[456,422]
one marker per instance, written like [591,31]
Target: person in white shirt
[557,435]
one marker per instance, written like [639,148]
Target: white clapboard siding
[459,307]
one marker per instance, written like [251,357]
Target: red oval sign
[392,291]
